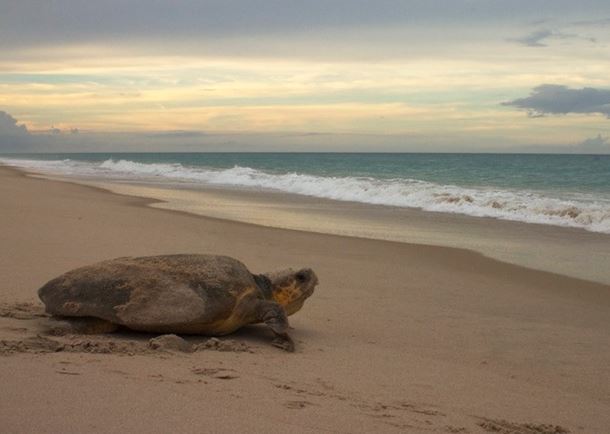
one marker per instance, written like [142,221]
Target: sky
[316,75]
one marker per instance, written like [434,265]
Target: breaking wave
[583,211]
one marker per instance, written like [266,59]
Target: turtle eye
[301,276]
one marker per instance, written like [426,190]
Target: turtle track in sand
[26,328]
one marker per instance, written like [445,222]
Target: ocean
[561,190]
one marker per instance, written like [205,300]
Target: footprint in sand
[505,427]
[64,372]
[456,429]
[297,405]
[218,373]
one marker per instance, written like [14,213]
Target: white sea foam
[587,212]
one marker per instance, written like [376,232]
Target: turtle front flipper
[273,315]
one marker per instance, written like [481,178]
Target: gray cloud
[177,134]
[539,38]
[598,144]
[13,137]
[602,22]
[556,99]
[594,145]
[32,22]
[534,39]
[16,138]
[9,126]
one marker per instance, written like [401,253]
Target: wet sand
[570,251]
[397,338]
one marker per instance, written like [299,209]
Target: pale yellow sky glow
[407,81]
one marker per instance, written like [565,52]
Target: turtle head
[291,288]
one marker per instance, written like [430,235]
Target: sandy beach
[397,338]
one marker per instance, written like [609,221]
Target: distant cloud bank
[597,144]
[9,126]
[16,138]
[13,137]
[553,99]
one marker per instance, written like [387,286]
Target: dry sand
[397,338]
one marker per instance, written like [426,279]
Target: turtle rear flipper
[83,325]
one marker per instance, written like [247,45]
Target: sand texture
[397,337]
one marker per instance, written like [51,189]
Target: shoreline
[397,337]
[567,251]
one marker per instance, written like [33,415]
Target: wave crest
[588,213]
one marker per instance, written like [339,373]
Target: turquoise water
[565,190]
[574,173]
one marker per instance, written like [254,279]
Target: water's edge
[587,209]
[564,251]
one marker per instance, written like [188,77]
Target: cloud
[597,144]
[13,137]
[181,134]
[9,126]
[17,138]
[556,99]
[534,39]
[538,38]
[593,145]
[602,22]
[239,26]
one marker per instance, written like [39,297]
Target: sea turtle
[192,294]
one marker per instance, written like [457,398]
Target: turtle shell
[172,293]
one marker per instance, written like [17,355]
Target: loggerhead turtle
[193,294]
